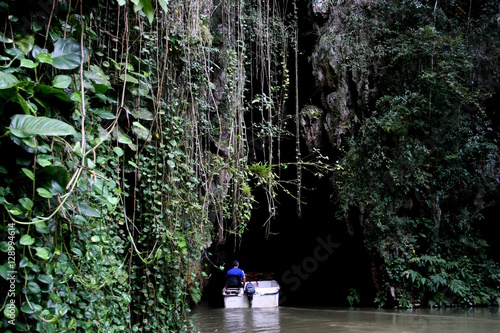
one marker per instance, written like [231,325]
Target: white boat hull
[266,296]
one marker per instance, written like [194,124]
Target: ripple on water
[319,320]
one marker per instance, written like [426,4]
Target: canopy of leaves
[122,154]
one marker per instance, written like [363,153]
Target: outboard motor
[250,290]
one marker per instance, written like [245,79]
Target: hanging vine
[141,130]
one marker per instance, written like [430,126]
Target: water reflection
[237,320]
[318,320]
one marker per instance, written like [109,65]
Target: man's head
[236,263]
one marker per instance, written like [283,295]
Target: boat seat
[233,291]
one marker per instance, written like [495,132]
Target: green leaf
[28,173]
[63,310]
[7,312]
[44,162]
[122,2]
[27,107]
[24,126]
[146,6]
[123,138]
[33,287]
[42,252]
[142,113]
[61,81]
[25,44]
[196,295]
[28,63]
[87,210]
[76,97]
[4,271]
[97,75]
[37,50]
[26,203]
[118,151]
[47,279]
[100,88]
[90,163]
[4,39]
[24,262]
[182,244]
[26,240]
[104,114]
[141,131]
[67,54]
[44,193]
[164,5]
[49,92]
[113,200]
[44,57]
[7,80]
[15,52]
[15,211]
[41,227]
[54,179]
[26,308]
[129,78]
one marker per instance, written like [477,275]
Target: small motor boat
[256,294]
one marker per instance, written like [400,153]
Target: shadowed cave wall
[314,258]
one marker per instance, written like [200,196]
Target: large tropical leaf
[61,81]
[47,92]
[24,126]
[67,54]
[103,113]
[97,76]
[7,80]
[25,44]
[141,131]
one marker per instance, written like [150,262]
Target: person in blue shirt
[235,277]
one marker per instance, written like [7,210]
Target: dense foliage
[134,134]
[418,160]
[126,153]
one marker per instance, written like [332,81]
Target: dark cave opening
[313,257]
[316,260]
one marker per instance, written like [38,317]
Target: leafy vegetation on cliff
[409,89]
[126,153]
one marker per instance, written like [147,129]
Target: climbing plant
[418,163]
[125,123]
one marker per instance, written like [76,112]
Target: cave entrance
[314,258]
[316,261]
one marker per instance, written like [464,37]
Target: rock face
[340,89]
[395,84]
[311,122]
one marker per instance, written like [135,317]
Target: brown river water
[319,320]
